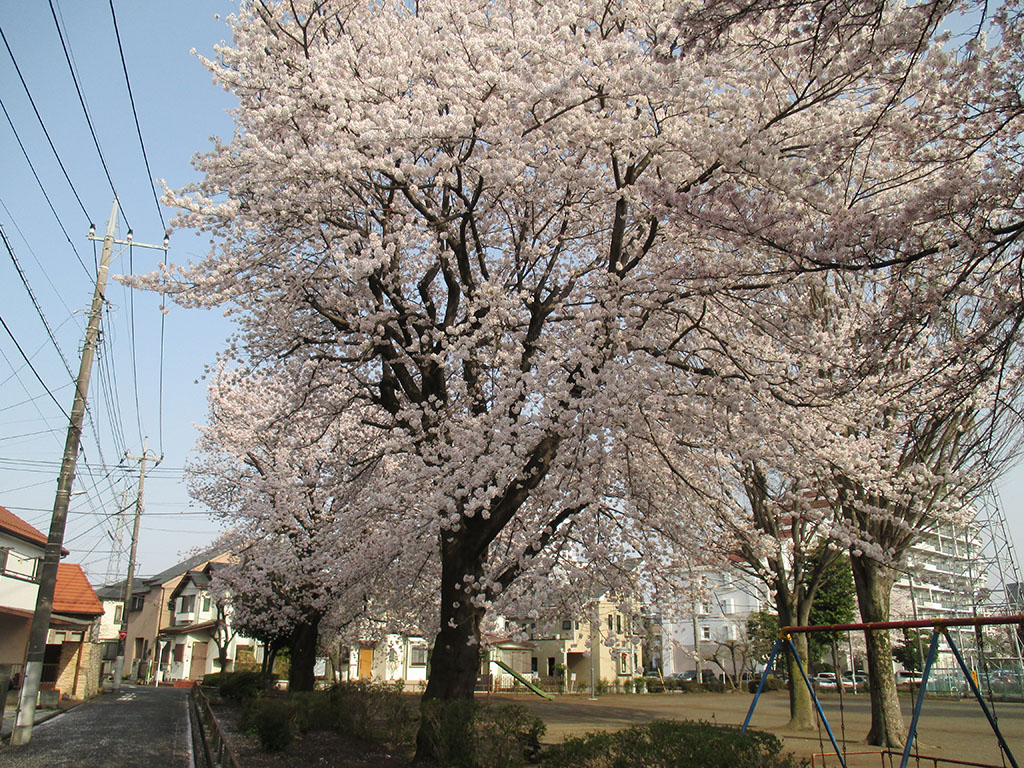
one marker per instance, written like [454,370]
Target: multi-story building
[604,644]
[198,637]
[717,617]
[71,662]
[150,611]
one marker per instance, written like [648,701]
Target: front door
[365,662]
[198,667]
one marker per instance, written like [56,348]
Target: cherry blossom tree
[284,476]
[511,228]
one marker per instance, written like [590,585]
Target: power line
[131,331]
[35,302]
[42,125]
[33,369]
[138,128]
[85,110]
[41,187]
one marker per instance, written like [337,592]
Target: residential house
[72,654]
[150,610]
[395,657]
[198,632]
[604,645]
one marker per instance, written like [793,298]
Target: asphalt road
[140,727]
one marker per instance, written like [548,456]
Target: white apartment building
[727,597]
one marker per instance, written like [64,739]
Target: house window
[533,664]
[729,605]
[179,652]
[418,656]
[4,552]
[206,604]
[137,602]
[187,604]
[118,613]
[731,631]
[551,666]
[577,625]
[618,623]
[567,625]
[705,633]
[623,663]
[611,623]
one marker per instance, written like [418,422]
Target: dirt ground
[948,729]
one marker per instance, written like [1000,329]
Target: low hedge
[672,744]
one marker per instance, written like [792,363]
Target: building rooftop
[73,593]
[13,525]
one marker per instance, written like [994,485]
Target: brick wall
[88,669]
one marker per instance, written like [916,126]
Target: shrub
[465,734]
[240,686]
[273,720]
[667,744]
[375,711]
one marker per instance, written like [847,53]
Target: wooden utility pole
[122,637]
[40,626]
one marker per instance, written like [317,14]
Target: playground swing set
[940,628]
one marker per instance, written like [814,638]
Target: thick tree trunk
[874,588]
[801,710]
[301,677]
[455,659]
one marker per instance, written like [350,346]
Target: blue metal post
[981,700]
[817,704]
[760,686]
[933,648]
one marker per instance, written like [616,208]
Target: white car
[825,681]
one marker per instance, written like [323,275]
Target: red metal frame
[916,624]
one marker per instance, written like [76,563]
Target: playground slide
[522,679]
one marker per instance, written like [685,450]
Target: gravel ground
[141,727]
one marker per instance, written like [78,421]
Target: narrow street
[141,726]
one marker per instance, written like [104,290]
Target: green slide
[523,680]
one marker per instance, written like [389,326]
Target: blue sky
[179,109]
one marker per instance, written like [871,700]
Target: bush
[465,734]
[273,720]
[239,686]
[667,744]
[374,711]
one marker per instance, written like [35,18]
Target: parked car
[708,676]
[859,677]
[826,681]
[908,677]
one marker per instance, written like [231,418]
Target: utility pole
[40,626]
[122,636]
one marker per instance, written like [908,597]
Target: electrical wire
[160,386]
[43,125]
[35,302]
[135,114]
[85,110]
[41,187]
[46,276]
[131,333]
[28,362]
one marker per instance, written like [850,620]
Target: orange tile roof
[11,523]
[14,525]
[74,593]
